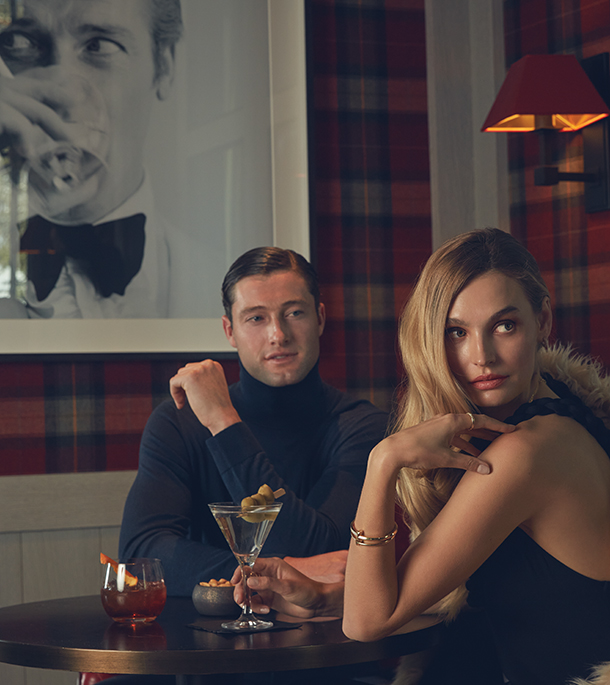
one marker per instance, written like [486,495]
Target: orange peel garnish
[130,579]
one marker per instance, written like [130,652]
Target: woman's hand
[283,588]
[436,443]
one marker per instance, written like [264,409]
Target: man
[84,74]
[280,425]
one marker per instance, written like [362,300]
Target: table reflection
[135,637]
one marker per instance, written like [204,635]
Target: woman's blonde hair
[431,388]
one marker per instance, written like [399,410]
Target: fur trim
[583,375]
[600,675]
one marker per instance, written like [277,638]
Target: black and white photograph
[137,157]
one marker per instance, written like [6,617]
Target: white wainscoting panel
[52,530]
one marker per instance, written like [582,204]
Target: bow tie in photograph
[110,254]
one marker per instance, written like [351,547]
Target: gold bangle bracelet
[361,539]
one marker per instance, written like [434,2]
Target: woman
[530,542]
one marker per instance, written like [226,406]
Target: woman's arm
[380,597]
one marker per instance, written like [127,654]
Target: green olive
[251,503]
[253,518]
[267,493]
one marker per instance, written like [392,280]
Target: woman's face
[491,337]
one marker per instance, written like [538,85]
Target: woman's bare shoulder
[538,442]
[527,466]
[535,438]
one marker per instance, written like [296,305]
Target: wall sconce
[550,94]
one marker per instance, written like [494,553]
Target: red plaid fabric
[572,247]
[370,181]
[63,417]
[371,231]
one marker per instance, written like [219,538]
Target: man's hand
[324,568]
[205,386]
[30,111]
[283,588]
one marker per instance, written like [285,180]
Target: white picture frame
[288,197]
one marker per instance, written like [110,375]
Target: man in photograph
[78,81]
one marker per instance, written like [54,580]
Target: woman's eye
[455,333]
[505,326]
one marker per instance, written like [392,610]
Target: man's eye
[16,41]
[295,312]
[18,47]
[103,47]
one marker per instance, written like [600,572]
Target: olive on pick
[267,493]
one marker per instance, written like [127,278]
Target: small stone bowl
[215,601]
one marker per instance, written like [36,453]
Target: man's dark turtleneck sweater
[308,438]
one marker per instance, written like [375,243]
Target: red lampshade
[545,91]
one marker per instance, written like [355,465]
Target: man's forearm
[302,527]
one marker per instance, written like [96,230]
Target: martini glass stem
[246,613]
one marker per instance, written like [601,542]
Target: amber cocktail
[134,592]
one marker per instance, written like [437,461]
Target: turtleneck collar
[302,399]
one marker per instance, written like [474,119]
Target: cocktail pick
[130,579]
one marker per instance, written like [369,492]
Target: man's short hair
[262,261]
[165,29]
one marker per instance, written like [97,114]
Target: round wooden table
[76,635]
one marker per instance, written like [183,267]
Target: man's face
[276,328]
[108,43]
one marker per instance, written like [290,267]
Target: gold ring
[471,420]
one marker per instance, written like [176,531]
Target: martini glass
[65,173]
[246,530]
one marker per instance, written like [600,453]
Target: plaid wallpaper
[572,247]
[370,233]
[371,181]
